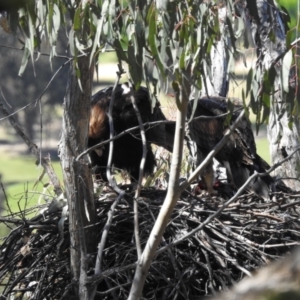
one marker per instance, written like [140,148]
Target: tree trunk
[279,280]
[283,141]
[217,85]
[77,175]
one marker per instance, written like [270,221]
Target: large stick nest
[35,256]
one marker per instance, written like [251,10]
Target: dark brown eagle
[238,156]
[128,149]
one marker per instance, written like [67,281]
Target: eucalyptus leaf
[286,66]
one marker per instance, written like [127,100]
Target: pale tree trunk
[283,141]
[77,176]
[173,194]
[279,280]
[217,83]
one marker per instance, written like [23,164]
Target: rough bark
[278,281]
[77,177]
[283,141]
[217,85]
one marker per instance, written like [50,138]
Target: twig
[220,210]
[5,196]
[34,149]
[127,131]
[41,94]
[147,125]
[213,153]
[141,174]
[35,52]
[1,91]
[105,234]
[112,289]
[111,132]
[111,181]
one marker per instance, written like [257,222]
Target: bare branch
[41,94]
[213,153]
[35,150]
[149,125]
[171,197]
[141,173]
[35,52]
[111,134]
[105,234]
[226,204]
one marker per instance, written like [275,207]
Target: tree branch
[35,150]
[170,201]
[141,174]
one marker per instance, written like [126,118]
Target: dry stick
[172,258]
[212,154]
[121,193]
[141,173]
[111,133]
[107,225]
[219,211]
[6,199]
[99,277]
[4,98]
[35,150]
[169,203]
[147,124]
[42,93]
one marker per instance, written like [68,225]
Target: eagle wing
[239,153]
[128,148]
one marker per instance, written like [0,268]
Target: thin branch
[148,125]
[170,201]
[226,204]
[35,52]
[6,199]
[213,153]
[141,174]
[34,149]
[41,94]
[111,132]
[111,181]
[107,225]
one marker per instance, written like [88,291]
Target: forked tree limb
[172,196]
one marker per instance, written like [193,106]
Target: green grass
[262,145]
[20,177]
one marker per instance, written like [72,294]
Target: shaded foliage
[20,91]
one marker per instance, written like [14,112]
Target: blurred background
[19,175]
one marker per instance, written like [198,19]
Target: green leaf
[239,27]
[99,26]
[134,68]
[286,66]
[77,19]
[266,99]
[152,18]
[26,55]
[72,42]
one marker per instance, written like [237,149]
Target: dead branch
[35,150]
[225,250]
